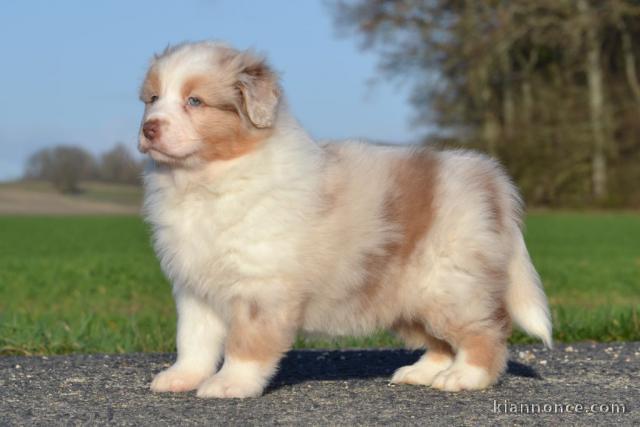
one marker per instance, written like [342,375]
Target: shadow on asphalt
[300,366]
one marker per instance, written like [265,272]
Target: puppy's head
[205,101]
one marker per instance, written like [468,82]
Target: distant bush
[118,165]
[65,166]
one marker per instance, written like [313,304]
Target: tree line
[66,166]
[549,87]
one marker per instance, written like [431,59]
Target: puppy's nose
[151,129]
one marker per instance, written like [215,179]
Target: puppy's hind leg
[199,341]
[480,360]
[439,355]
[479,333]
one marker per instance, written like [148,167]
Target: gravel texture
[327,388]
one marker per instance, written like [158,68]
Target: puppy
[264,232]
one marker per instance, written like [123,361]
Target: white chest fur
[215,237]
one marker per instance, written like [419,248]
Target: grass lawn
[92,284]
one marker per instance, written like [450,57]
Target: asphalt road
[329,388]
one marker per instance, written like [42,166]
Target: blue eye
[193,101]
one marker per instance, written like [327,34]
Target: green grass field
[92,284]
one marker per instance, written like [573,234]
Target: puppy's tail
[526,301]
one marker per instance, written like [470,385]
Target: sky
[71,70]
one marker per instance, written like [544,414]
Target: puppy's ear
[259,89]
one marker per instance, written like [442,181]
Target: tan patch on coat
[225,136]
[213,90]
[256,334]
[217,121]
[503,319]
[371,293]
[254,310]
[486,351]
[333,187]
[409,206]
[151,85]
[492,194]
[412,204]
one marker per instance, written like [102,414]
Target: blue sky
[70,70]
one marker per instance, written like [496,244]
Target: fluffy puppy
[264,232]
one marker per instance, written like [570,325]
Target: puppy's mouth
[162,156]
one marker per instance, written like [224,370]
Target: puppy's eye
[153,99]
[193,101]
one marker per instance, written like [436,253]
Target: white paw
[224,386]
[462,377]
[422,372]
[176,380]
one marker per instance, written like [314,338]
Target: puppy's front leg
[199,343]
[259,335]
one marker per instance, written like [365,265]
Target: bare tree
[118,165]
[63,165]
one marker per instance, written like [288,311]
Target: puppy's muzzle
[152,130]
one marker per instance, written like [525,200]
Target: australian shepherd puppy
[264,232]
